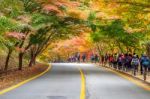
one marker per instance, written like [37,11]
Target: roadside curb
[141,83]
[25,81]
[132,76]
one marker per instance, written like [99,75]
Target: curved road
[63,81]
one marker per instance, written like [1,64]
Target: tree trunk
[7,59]
[32,61]
[148,49]
[20,61]
[32,58]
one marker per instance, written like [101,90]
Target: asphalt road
[63,81]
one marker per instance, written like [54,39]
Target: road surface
[63,81]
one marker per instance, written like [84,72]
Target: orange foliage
[76,44]
[56,5]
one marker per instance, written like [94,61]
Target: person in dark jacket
[145,62]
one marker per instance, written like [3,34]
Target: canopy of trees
[38,28]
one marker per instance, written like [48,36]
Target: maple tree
[31,27]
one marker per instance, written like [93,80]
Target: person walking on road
[102,60]
[115,60]
[145,62]
[96,58]
[128,62]
[92,58]
[105,59]
[135,63]
[78,57]
[141,67]
[111,60]
[84,57]
[120,61]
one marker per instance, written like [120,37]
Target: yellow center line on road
[24,82]
[83,85]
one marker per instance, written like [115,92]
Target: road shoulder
[18,78]
[136,81]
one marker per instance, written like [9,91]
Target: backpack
[135,61]
[120,60]
[145,61]
[127,60]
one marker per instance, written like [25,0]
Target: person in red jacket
[111,60]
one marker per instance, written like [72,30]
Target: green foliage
[31,6]
[42,19]
[115,31]
[5,24]
[11,8]
[92,16]
[91,21]
[40,36]
[44,28]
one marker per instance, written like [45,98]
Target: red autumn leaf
[59,4]
[16,35]
[20,49]
[51,8]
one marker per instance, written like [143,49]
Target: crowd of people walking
[94,58]
[127,63]
[123,62]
